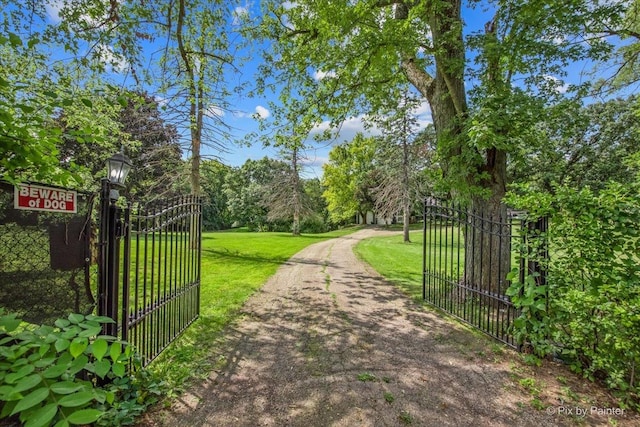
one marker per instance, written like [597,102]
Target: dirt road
[327,342]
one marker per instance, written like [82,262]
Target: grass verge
[398,262]
[234,266]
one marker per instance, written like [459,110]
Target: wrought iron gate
[468,280]
[150,271]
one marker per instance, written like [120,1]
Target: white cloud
[108,56]
[319,75]
[348,129]
[53,10]
[215,111]
[560,86]
[240,13]
[262,112]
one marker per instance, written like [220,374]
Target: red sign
[39,198]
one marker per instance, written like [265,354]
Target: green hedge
[590,314]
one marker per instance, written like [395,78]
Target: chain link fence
[47,260]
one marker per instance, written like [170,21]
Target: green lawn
[234,265]
[398,262]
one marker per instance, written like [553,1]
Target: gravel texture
[327,342]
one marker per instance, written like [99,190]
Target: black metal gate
[453,263]
[150,271]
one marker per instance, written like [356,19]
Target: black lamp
[118,167]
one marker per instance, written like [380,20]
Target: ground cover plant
[234,265]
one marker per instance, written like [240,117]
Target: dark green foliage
[593,316]
[51,375]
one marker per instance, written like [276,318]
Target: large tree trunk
[487,261]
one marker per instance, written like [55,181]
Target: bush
[593,319]
[65,375]
[313,225]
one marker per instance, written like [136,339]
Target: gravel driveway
[326,342]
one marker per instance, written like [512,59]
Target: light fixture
[118,167]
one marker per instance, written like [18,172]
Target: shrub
[593,318]
[65,375]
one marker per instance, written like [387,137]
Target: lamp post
[118,167]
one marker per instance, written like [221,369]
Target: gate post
[108,266]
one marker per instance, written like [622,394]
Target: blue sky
[240,117]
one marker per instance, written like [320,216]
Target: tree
[157,156]
[284,196]
[247,191]
[584,146]
[197,52]
[215,213]
[349,178]
[400,160]
[368,50]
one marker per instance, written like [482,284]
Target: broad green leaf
[100,319]
[78,364]
[9,322]
[66,387]
[22,372]
[99,348]
[76,318]
[62,344]
[15,40]
[85,416]
[76,399]
[102,367]
[31,400]
[55,371]
[91,331]
[62,423]
[43,416]
[27,383]
[78,346]
[87,102]
[116,351]
[119,369]
[7,408]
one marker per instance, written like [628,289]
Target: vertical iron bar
[126,270]
[424,249]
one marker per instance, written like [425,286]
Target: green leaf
[15,40]
[66,387]
[87,102]
[7,408]
[62,423]
[9,322]
[43,416]
[90,332]
[78,364]
[116,351]
[78,346]
[55,371]
[76,318]
[119,369]
[99,348]
[22,372]
[31,400]
[62,344]
[85,416]
[76,399]
[62,323]
[100,319]
[27,383]
[102,367]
